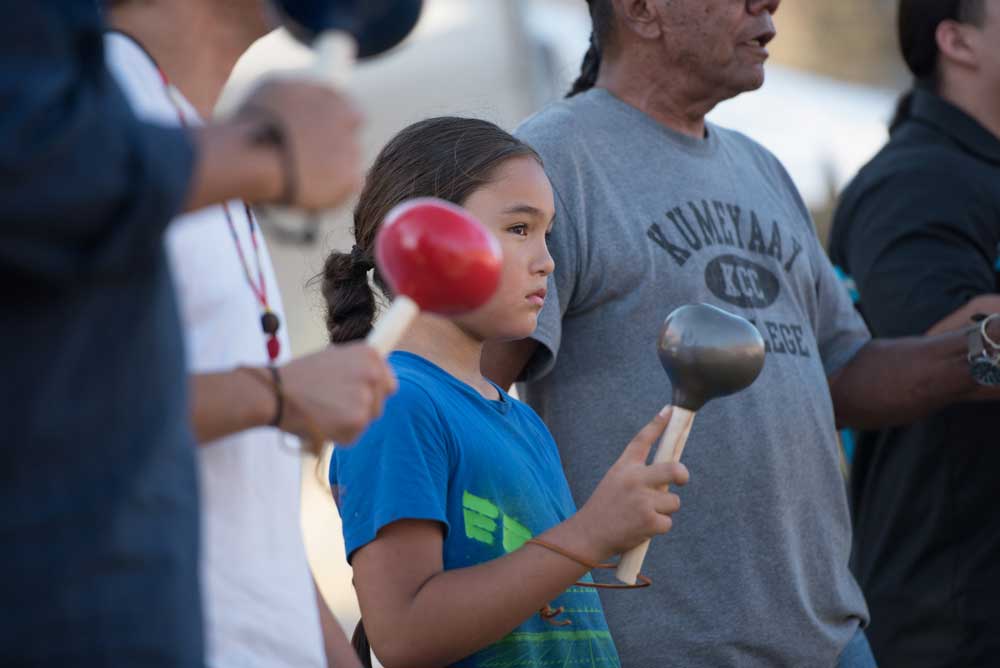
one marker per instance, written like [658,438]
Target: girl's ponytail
[350,301]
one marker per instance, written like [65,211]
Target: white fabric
[259,597]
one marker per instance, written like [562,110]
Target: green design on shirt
[481,525]
[480,518]
[515,534]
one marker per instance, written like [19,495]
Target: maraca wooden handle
[669,450]
[336,52]
[391,327]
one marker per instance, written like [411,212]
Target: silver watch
[984,352]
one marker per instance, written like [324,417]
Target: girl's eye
[520,229]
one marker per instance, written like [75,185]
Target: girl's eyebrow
[526,209]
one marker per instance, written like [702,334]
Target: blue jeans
[857,654]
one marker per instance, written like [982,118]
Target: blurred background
[832,81]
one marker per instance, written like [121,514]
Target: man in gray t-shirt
[655,208]
[668,220]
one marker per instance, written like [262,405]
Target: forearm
[339,653]
[231,165]
[458,612]
[229,402]
[896,381]
[961,318]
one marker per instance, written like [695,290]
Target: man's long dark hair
[916,25]
[602,17]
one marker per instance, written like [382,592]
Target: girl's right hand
[630,505]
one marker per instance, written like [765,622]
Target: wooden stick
[336,53]
[391,327]
[670,449]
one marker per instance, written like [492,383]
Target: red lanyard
[269,321]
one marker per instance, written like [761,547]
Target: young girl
[444,498]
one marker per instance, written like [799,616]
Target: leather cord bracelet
[271,132]
[643,581]
[273,381]
[548,613]
[279,395]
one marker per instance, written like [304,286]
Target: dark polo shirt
[98,495]
[918,230]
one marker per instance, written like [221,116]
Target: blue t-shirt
[489,472]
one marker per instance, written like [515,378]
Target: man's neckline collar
[931,109]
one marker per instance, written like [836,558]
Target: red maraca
[436,257]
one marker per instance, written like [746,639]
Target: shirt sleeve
[85,188]
[921,245]
[839,329]
[398,470]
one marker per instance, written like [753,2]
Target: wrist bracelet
[986,337]
[642,580]
[275,384]
[548,613]
[271,132]
[984,365]
[314,437]
[566,553]
[279,395]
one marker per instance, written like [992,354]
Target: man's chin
[748,84]
[754,79]
[733,88]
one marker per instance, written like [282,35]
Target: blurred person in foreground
[918,230]
[98,494]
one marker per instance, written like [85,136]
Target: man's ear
[640,17]
[956,43]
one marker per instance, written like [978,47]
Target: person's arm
[230,166]
[896,381]
[962,316]
[85,188]
[922,251]
[291,142]
[228,402]
[335,392]
[418,614]
[339,652]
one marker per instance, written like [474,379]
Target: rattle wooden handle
[669,450]
[391,327]
[336,53]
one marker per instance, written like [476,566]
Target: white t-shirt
[260,605]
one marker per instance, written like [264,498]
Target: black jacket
[98,496]
[918,230]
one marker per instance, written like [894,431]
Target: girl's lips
[537,297]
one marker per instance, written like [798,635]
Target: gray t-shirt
[755,571]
